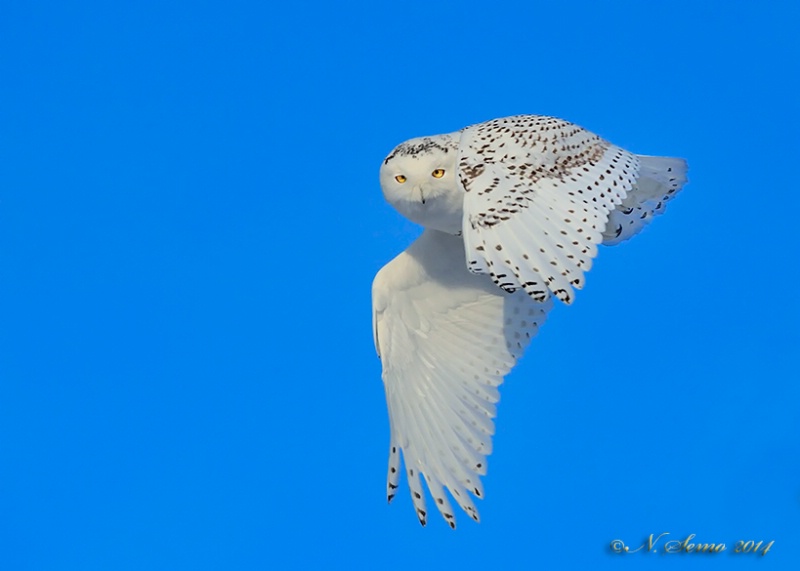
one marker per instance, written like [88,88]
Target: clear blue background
[190,221]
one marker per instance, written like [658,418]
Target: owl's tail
[660,179]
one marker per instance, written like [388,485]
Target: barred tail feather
[660,179]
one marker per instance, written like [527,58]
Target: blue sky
[190,221]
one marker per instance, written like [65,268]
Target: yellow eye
[400,178]
[438,173]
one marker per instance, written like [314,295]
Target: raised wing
[446,338]
[538,195]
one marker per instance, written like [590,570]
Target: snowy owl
[513,211]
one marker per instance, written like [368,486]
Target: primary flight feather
[513,210]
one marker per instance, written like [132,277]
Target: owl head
[419,179]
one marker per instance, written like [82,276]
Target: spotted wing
[446,338]
[539,191]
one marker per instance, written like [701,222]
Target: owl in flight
[514,210]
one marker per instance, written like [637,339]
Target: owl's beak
[421,194]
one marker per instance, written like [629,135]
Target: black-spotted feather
[545,185]
[660,180]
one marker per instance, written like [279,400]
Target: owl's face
[419,179]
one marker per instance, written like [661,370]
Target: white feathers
[446,337]
[538,194]
[660,179]
[514,211]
